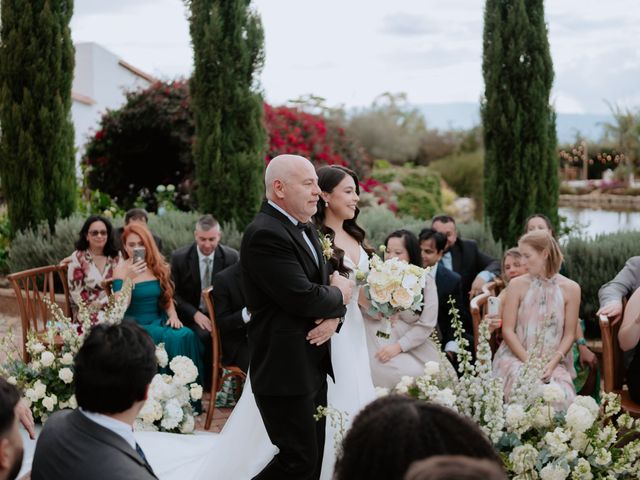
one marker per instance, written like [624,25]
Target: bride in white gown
[243,447]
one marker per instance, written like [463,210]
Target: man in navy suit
[448,283]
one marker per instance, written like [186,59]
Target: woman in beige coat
[410,346]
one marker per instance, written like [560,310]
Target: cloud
[431,58]
[404,24]
[100,7]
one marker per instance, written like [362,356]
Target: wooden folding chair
[31,288]
[217,368]
[613,365]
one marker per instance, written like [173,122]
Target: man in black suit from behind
[192,269]
[113,372]
[449,284]
[295,309]
[232,316]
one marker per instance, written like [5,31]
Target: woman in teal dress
[152,305]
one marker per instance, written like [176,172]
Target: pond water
[596,221]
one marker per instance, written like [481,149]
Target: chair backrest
[31,288]
[612,356]
[216,345]
[477,307]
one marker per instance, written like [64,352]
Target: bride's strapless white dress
[243,447]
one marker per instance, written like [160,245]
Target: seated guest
[11,447]
[409,347]
[455,467]
[464,257]
[629,339]
[152,297]
[232,316]
[622,286]
[448,284]
[512,267]
[135,215]
[392,432]
[585,361]
[113,371]
[192,270]
[91,264]
[539,319]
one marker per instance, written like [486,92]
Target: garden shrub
[379,222]
[464,173]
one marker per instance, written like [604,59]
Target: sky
[351,51]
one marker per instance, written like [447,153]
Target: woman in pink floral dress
[539,319]
[91,264]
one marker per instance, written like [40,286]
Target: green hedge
[464,173]
[39,247]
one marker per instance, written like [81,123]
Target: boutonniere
[326,246]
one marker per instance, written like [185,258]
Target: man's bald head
[291,183]
[282,168]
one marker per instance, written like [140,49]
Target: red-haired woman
[152,304]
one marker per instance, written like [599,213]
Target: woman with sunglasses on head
[91,264]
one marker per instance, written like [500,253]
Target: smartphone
[139,253]
[494,306]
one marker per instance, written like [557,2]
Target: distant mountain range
[446,116]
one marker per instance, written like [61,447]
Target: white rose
[40,389]
[161,356]
[47,358]
[35,365]
[31,395]
[410,281]
[431,368]
[579,418]
[196,392]
[554,472]
[381,392]
[188,425]
[66,375]
[445,397]
[401,298]
[49,402]
[523,458]
[67,359]
[12,380]
[72,402]
[380,295]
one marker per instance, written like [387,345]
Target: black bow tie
[303,226]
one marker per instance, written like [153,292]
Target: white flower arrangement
[534,440]
[47,378]
[169,406]
[393,286]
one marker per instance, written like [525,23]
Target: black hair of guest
[82,243]
[392,432]
[410,243]
[9,398]
[328,178]
[439,239]
[114,367]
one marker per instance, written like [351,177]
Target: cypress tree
[230,140]
[521,163]
[37,164]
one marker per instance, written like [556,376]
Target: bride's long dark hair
[328,179]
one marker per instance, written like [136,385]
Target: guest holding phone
[152,305]
[91,264]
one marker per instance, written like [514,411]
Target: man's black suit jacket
[185,271]
[228,302]
[468,261]
[448,284]
[286,291]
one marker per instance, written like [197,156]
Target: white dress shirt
[116,426]
[296,222]
[203,266]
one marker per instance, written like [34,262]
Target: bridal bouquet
[393,286]
[169,405]
[47,378]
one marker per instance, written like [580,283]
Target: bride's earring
[326,203]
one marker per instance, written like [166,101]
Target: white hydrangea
[403,386]
[579,418]
[150,411]
[49,402]
[557,441]
[381,392]
[184,370]
[523,458]
[515,416]
[195,391]
[66,359]
[582,470]
[541,416]
[172,415]
[603,457]
[37,347]
[579,441]
[554,472]
[188,425]
[66,375]
[47,358]
[552,393]
[445,397]
[162,356]
[589,403]
[431,368]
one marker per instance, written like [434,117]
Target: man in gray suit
[624,284]
[113,371]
